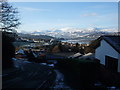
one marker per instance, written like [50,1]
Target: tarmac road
[32,76]
[59,82]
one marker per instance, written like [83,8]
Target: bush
[79,73]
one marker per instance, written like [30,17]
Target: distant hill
[73,33]
[80,34]
[30,36]
[92,35]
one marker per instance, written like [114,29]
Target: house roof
[113,40]
[20,52]
[88,55]
[75,55]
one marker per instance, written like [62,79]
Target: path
[59,82]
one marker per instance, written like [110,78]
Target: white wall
[106,49]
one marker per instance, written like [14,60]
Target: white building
[108,52]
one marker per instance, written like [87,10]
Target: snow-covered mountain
[77,32]
[72,33]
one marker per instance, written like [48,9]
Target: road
[32,75]
[59,82]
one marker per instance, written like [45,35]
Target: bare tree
[9,20]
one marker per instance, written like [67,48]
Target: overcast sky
[49,15]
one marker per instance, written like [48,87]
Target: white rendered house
[108,52]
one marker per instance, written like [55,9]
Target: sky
[39,16]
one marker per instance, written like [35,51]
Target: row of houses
[107,50]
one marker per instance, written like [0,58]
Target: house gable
[114,42]
[105,49]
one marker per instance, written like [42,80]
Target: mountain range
[32,36]
[68,33]
[74,32]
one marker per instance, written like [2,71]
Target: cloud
[89,14]
[33,9]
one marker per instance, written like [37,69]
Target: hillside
[30,36]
